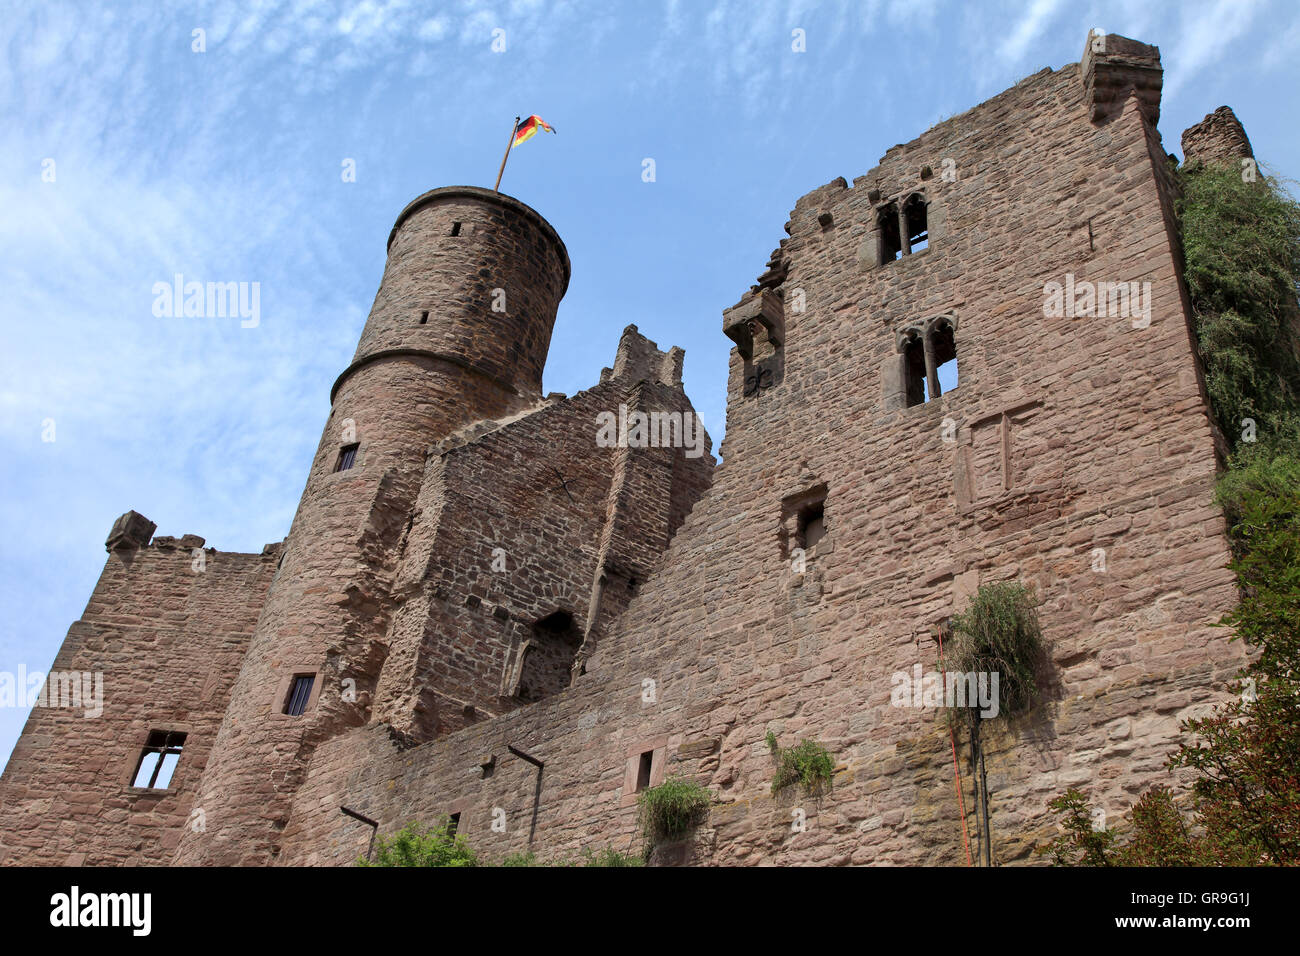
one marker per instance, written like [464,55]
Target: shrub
[808,764]
[1078,844]
[1241,249]
[671,810]
[589,857]
[437,846]
[999,633]
[610,857]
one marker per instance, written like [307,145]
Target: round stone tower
[458,332]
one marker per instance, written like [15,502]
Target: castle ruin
[482,611]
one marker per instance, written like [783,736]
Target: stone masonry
[505,618]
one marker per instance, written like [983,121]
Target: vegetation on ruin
[589,857]
[439,845]
[671,810]
[808,764]
[999,634]
[1242,246]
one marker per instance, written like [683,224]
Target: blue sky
[226,165]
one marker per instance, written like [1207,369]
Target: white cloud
[1029,28]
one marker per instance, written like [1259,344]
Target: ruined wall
[1219,138]
[512,524]
[167,639]
[458,332]
[1075,454]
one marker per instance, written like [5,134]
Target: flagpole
[513,130]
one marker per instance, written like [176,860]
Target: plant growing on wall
[1241,251]
[439,845]
[808,764]
[1241,244]
[998,634]
[671,810]
[602,858]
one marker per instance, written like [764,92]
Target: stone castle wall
[168,640]
[1075,438]
[1075,454]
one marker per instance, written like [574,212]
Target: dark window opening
[548,663]
[453,822]
[347,457]
[918,233]
[643,770]
[812,524]
[914,371]
[944,344]
[299,694]
[455,229]
[158,759]
[424,318]
[891,243]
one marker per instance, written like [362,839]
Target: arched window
[903,227]
[917,228]
[914,368]
[928,350]
[548,661]
[891,243]
[943,343]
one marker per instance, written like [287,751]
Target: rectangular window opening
[455,229]
[812,524]
[643,770]
[424,317]
[453,824]
[299,694]
[347,457]
[158,759]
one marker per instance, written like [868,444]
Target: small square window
[158,759]
[424,317]
[455,229]
[347,456]
[299,694]
[803,521]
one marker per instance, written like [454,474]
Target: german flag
[528,129]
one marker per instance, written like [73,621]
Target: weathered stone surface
[482,523]
[132,530]
[1217,139]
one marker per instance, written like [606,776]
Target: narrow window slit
[643,770]
[299,694]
